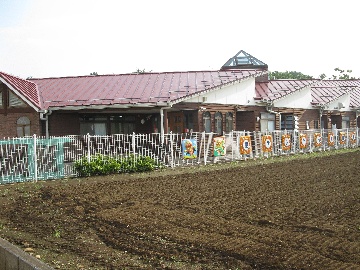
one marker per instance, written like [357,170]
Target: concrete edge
[12,257]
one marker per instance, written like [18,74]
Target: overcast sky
[42,38]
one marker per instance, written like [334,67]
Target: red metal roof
[127,89]
[325,91]
[276,89]
[149,89]
[322,91]
[355,98]
[25,87]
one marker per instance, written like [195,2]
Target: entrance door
[245,120]
[176,122]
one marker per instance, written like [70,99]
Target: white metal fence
[37,158]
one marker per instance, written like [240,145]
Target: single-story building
[238,96]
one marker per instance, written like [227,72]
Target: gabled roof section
[326,91]
[143,89]
[355,98]
[277,89]
[25,89]
[243,60]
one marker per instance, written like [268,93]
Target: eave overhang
[325,105]
[213,89]
[110,106]
[20,95]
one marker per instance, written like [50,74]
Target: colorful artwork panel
[317,139]
[189,148]
[245,145]
[267,143]
[285,142]
[342,137]
[331,139]
[353,137]
[219,146]
[303,141]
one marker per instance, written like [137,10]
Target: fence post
[294,141]
[35,159]
[171,137]
[88,147]
[255,145]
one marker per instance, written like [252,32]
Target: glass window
[345,123]
[229,122]
[316,124]
[93,128]
[23,126]
[122,128]
[218,123]
[267,122]
[189,121]
[93,125]
[287,122]
[122,124]
[207,121]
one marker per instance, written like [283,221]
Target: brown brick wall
[308,115]
[8,124]
[62,124]
[213,109]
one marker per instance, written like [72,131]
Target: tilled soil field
[283,213]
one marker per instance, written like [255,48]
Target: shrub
[103,165]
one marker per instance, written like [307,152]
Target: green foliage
[103,165]
[57,233]
[94,73]
[276,75]
[341,74]
[139,71]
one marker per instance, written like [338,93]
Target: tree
[276,75]
[94,74]
[138,71]
[341,75]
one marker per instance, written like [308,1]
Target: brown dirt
[283,213]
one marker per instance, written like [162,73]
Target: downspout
[162,122]
[321,110]
[44,116]
[269,109]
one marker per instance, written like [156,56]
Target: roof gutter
[44,116]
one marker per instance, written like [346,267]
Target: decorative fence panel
[38,158]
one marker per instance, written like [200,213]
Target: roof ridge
[145,73]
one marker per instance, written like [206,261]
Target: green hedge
[103,165]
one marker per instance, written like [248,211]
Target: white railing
[37,158]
